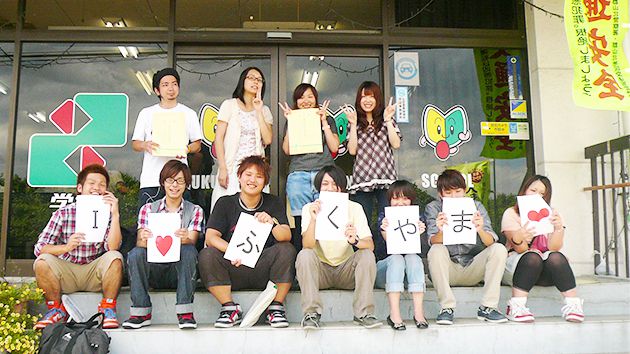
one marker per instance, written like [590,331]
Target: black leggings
[533,270]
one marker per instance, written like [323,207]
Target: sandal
[422,325]
[396,326]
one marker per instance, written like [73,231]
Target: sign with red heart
[164,243]
[534,215]
[164,246]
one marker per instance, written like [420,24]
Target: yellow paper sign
[595,32]
[305,135]
[495,128]
[169,131]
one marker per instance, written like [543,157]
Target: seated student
[277,259]
[175,177]
[464,265]
[391,271]
[328,264]
[536,259]
[65,264]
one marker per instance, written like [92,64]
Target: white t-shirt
[152,165]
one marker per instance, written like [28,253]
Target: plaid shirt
[374,163]
[59,229]
[195,224]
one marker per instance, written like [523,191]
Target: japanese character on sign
[248,240]
[60,200]
[459,228]
[332,217]
[403,232]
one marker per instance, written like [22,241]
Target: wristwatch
[355,242]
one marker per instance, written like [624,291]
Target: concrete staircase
[606,330]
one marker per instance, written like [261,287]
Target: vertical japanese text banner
[595,33]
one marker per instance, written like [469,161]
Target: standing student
[536,259]
[243,129]
[175,177]
[166,87]
[304,167]
[373,136]
[66,264]
[392,271]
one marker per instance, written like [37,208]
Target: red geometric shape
[90,156]
[63,117]
[164,244]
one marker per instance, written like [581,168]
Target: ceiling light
[310,77]
[144,81]
[4,89]
[114,22]
[325,25]
[38,117]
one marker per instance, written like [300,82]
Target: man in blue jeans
[174,178]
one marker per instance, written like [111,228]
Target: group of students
[65,264]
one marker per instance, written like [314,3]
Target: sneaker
[367,321]
[53,315]
[135,322]
[445,317]
[490,314]
[517,311]
[186,321]
[230,316]
[573,311]
[276,315]
[311,321]
[110,321]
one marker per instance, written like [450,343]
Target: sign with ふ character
[248,240]
[332,217]
[403,236]
[92,217]
[459,228]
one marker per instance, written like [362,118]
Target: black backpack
[75,338]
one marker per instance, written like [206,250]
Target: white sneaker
[517,311]
[573,311]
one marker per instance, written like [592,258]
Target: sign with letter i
[92,217]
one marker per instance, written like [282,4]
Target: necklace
[240,201]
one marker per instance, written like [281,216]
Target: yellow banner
[595,34]
[495,128]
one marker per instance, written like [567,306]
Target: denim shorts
[300,190]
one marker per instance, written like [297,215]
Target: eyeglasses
[259,80]
[179,181]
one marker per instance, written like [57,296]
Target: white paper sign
[248,240]
[460,228]
[92,217]
[402,99]
[534,209]
[332,217]
[164,246]
[406,69]
[403,236]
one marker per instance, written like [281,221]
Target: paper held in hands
[332,217]
[304,129]
[169,132]
[248,240]
[92,217]
[537,212]
[403,235]
[164,246]
[460,228]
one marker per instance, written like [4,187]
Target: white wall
[562,130]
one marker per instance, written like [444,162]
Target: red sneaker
[56,313]
[108,308]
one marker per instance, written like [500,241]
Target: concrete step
[602,296]
[606,334]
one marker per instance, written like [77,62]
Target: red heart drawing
[537,216]
[163,244]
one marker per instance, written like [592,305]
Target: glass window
[8,15]
[460,88]
[44,14]
[6,67]
[51,74]
[275,15]
[487,14]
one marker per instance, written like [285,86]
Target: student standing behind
[373,136]
[536,259]
[66,264]
[391,271]
[304,167]
[174,178]
[464,264]
[166,87]
[328,264]
[243,129]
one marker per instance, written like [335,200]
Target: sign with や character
[403,236]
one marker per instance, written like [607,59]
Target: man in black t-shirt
[277,260]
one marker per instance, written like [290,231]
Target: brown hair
[402,187]
[450,179]
[528,182]
[172,168]
[259,162]
[93,168]
[370,88]
[300,90]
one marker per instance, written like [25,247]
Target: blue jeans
[300,190]
[181,275]
[367,199]
[391,271]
